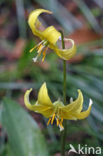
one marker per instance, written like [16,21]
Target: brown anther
[53,118]
[61,120]
[48,121]
[44,53]
[61,124]
[57,122]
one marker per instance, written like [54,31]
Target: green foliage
[24,136]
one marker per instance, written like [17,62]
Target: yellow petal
[69,111]
[50,34]
[66,115]
[47,111]
[36,106]
[33,19]
[65,54]
[74,115]
[75,106]
[26,100]
[86,113]
[43,98]
[38,24]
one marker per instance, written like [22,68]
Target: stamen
[36,46]
[61,126]
[53,118]
[49,121]
[61,120]
[32,49]
[35,59]
[40,48]
[44,54]
[57,121]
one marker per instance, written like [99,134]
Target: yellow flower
[49,37]
[57,110]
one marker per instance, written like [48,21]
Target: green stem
[63,133]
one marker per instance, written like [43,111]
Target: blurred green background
[26,134]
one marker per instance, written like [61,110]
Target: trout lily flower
[57,110]
[49,38]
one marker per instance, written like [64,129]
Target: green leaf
[25,137]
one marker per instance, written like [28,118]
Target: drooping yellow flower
[57,110]
[49,38]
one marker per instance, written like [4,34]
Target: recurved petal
[43,97]
[85,114]
[27,102]
[47,111]
[50,34]
[65,54]
[75,106]
[33,19]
